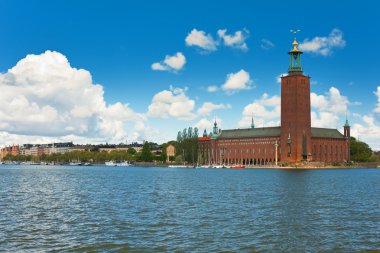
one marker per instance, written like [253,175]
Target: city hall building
[292,142]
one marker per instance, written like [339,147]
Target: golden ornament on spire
[295,43]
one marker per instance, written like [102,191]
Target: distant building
[10,150]
[294,141]
[170,152]
[108,150]
[37,151]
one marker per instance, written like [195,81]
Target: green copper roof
[326,133]
[275,132]
[250,133]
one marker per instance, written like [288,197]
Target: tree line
[186,145]
[92,156]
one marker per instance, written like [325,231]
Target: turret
[347,129]
[347,135]
[215,128]
[252,123]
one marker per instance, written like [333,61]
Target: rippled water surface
[103,209]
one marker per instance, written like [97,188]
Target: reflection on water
[166,209]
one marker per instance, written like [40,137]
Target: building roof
[250,133]
[326,133]
[274,132]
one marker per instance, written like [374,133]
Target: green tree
[146,154]
[163,152]
[360,151]
[196,132]
[179,159]
[179,136]
[131,151]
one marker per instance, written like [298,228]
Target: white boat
[75,164]
[123,164]
[110,163]
[180,166]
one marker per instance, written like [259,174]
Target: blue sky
[118,41]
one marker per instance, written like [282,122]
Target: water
[103,209]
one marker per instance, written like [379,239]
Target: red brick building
[294,141]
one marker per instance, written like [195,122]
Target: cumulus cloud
[44,96]
[265,111]
[202,40]
[172,103]
[208,107]
[324,45]
[171,63]
[212,88]
[367,127]
[327,109]
[266,44]
[237,81]
[368,131]
[236,40]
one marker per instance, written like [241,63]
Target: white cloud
[44,97]
[159,66]
[324,45]
[278,78]
[202,40]
[377,93]
[212,88]
[207,124]
[236,40]
[369,128]
[172,103]
[368,131]
[265,111]
[237,81]
[171,63]
[266,44]
[208,107]
[327,109]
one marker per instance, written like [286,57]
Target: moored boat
[75,164]
[123,164]
[110,163]
[238,166]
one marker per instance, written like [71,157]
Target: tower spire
[215,128]
[252,123]
[346,124]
